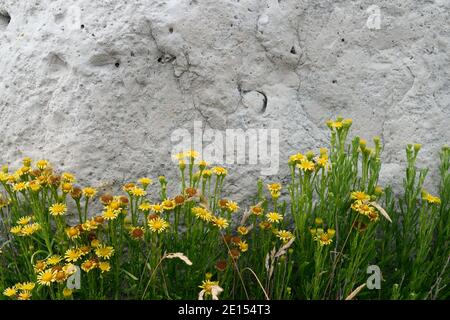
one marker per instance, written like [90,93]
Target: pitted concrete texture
[98,86]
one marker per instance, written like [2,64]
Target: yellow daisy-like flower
[243,246]
[324,239]
[10,292]
[145,181]
[296,158]
[104,252]
[89,192]
[192,154]
[46,277]
[158,225]
[104,266]
[54,259]
[274,187]
[220,222]
[73,232]
[40,266]
[72,255]
[242,230]
[24,220]
[95,243]
[202,213]
[145,207]
[88,265]
[24,295]
[220,171]
[284,235]
[168,204]
[362,208]
[157,208]
[58,209]
[202,164]
[20,186]
[42,164]
[232,206]
[16,230]
[66,187]
[256,210]
[34,185]
[274,217]
[431,199]
[25,286]
[306,165]
[110,214]
[29,229]
[138,192]
[137,233]
[322,161]
[68,177]
[359,196]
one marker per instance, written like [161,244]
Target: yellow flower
[274,217]
[58,209]
[324,239]
[220,222]
[89,192]
[66,187]
[104,266]
[220,171]
[72,255]
[145,181]
[145,207]
[46,277]
[206,173]
[24,295]
[20,186]
[67,292]
[360,196]
[242,230]
[138,192]
[232,206]
[26,286]
[210,288]
[243,246]
[256,210]
[431,199]
[34,185]
[274,187]
[284,235]
[88,265]
[10,292]
[306,165]
[55,259]
[16,230]
[105,252]
[362,208]
[95,243]
[168,204]
[30,229]
[202,164]
[192,154]
[73,232]
[40,266]
[202,213]
[158,225]
[322,161]
[42,164]
[137,233]
[157,208]
[110,214]
[68,177]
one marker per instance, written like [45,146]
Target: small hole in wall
[170,30]
[334,81]
[293,50]
[82,26]
[5,19]
[117,64]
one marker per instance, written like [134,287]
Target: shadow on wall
[5,19]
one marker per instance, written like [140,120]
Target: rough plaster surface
[101,98]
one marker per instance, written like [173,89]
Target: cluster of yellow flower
[25,227]
[320,235]
[363,206]
[310,162]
